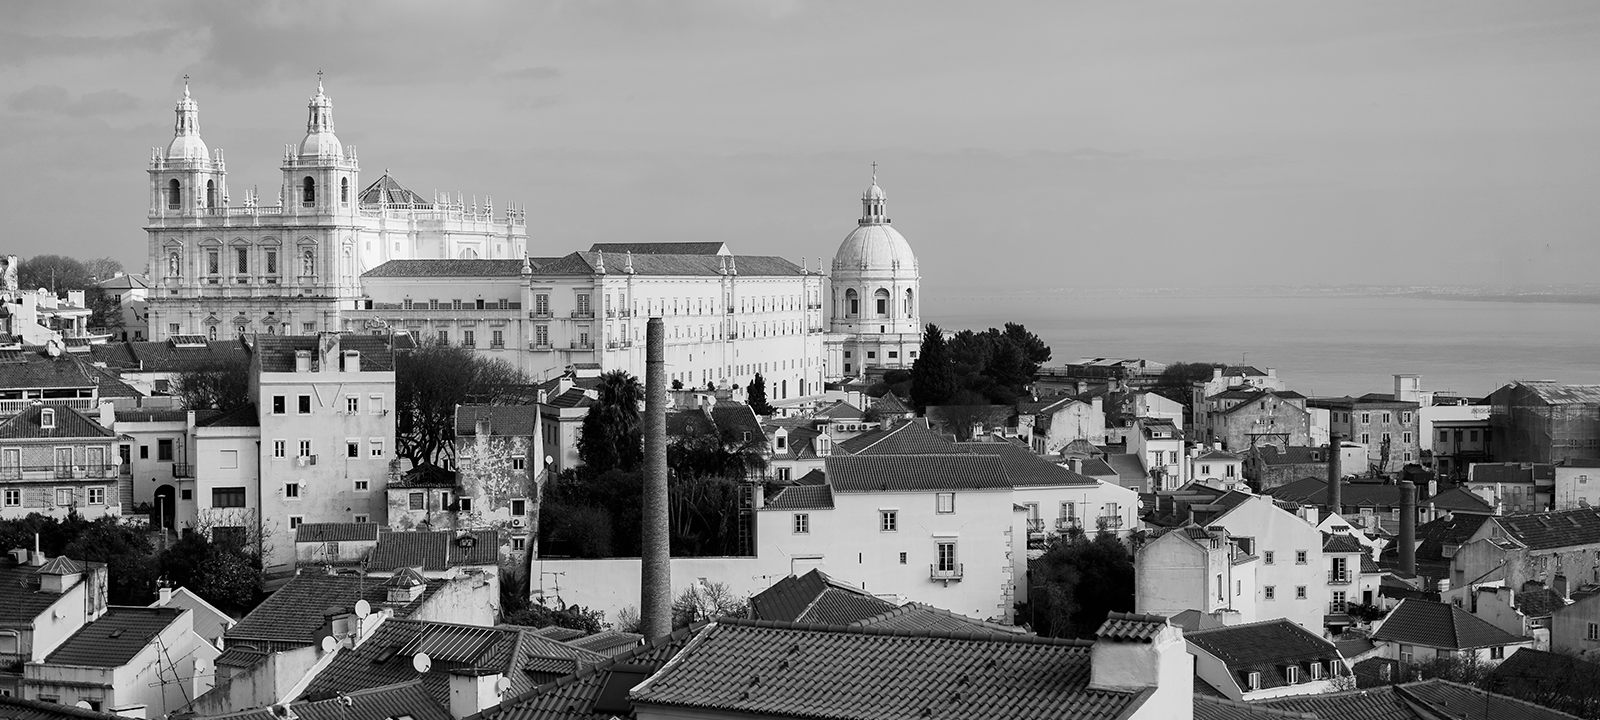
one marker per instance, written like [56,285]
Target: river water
[1320,344]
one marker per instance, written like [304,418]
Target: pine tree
[757,396]
[933,378]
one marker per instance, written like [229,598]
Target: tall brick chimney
[1408,527]
[1335,484]
[655,603]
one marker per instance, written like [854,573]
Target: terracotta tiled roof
[447,268]
[1530,673]
[503,419]
[69,423]
[1438,698]
[1265,648]
[916,616]
[595,692]
[1131,627]
[440,550]
[388,190]
[277,352]
[583,263]
[293,615]
[890,404]
[911,438]
[1512,472]
[1561,528]
[802,497]
[1539,602]
[915,472]
[1440,625]
[336,532]
[1024,468]
[16,708]
[114,639]
[816,598]
[1221,708]
[764,668]
[403,699]
[662,248]
[1337,543]
[1293,455]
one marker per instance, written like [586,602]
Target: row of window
[1270,592]
[456,304]
[419,501]
[242,262]
[1270,557]
[892,354]
[64,497]
[280,450]
[1463,435]
[1383,417]
[352,404]
[680,305]
[880,300]
[307,328]
[1291,674]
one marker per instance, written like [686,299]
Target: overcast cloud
[1022,145]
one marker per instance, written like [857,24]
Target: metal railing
[1108,522]
[949,572]
[582,346]
[12,407]
[60,472]
[182,470]
[583,314]
[1035,525]
[539,314]
[1062,524]
[1336,577]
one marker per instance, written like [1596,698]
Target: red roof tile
[1440,625]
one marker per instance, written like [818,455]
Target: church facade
[219,269]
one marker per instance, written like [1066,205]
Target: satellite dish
[328,644]
[421,662]
[363,608]
[502,685]
[83,704]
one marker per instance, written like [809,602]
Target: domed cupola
[320,140]
[186,143]
[875,288]
[874,245]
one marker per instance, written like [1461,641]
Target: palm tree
[612,436]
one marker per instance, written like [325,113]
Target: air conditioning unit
[516,522]
[313,459]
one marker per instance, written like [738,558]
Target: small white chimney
[108,414]
[166,595]
[473,690]
[352,361]
[302,361]
[1135,653]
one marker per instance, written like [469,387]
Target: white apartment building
[1158,443]
[220,269]
[1196,568]
[327,433]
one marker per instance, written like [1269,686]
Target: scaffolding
[1545,422]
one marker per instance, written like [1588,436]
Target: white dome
[875,247]
[320,144]
[873,193]
[187,146]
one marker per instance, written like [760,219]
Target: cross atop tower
[874,167]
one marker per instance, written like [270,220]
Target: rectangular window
[1444,436]
[227,497]
[363,486]
[498,339]
[164,450]
[1316,670]
[1291,673]
[272,262]
[468,339]
[1366,438]
[375,448]
[304,403]
[519,506]
[1299,557]
[541,335]
[947,557]
[888,520]
[1270,592]
[1299,592]
[1366,418]
[802,523]
[1405,437]
[279,405]
[13,497]
[1405,418]
[305,448]
[1337,604]
[947,503]
[352,449]
[291,491]
[352,405]
[415,501]
[902,558]
[213,262]
[1387,418]
[230,460]
[465,504]
[518,463]
[1497,652]
[295,520]
[1253,680]
[144,452]
[280,449]
[541,304]
[308,327]
[97,496]
[1269,556]
[519,543]
[242,255]
[375,404]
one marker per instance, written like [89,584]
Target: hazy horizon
[1022,145]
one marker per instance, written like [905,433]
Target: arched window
[174,194]
[852,303]
[344,190]
[881,301]
[909,305]
[308,263]
[308,192]
[211,193]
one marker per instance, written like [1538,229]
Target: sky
[1023,146]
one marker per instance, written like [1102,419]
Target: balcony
[625,313]
[1067,523]
[582,346]
[1337,577]
[583,314]
[947,573]
[182,470]
[1035,525]
[541,346]
[1108,522]
[60,472]
[539,314]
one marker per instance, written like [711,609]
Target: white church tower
[875,290]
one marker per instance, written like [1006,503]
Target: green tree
[933,378]
[612,435]
[430,382]
[226,576]
[1035,352]
[756,394]
[1076,582]
[123,547]
[222,386]
[56,273]
[706,601]
[707,470]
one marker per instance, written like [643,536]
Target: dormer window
[1291,674]
[1316,671]
[47,418]
[1252,681]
